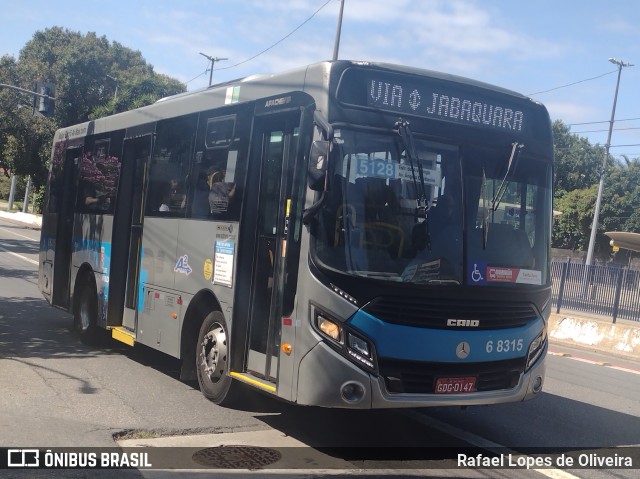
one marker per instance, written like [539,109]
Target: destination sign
[443,102]
[435,98]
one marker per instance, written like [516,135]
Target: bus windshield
[431,217]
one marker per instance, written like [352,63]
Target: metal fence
[605,290]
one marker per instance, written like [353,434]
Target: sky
[557,51]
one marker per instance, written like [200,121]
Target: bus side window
[99,176]
[218,170]
[169,170]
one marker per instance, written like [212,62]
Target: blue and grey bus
[346,234]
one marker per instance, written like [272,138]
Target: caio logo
[463,323]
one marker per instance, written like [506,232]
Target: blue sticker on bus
[477,273]
[182,266]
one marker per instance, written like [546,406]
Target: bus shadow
[549,426]
[31,328]
[21,246]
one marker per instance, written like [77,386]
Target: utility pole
[596,214]
[336,45]
[115,95]
[212,60]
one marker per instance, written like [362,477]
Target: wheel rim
[213,353]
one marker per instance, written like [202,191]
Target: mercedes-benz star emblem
[463,350]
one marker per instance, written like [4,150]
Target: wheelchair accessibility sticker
[477,273]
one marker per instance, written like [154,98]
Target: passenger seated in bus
[164,205]
[171,197]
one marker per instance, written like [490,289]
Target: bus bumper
[327,379]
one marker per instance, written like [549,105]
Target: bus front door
[277,135]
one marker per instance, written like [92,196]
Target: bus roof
[312,78]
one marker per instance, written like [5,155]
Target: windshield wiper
[422,206]
[485,212]
[516,148]
[409,147]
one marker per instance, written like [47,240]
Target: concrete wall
[596,334]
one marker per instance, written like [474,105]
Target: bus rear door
[64,228]
[127,235]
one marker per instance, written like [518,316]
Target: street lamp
[336,44]
[594,226]
[115,95]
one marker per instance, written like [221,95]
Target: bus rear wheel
[86,314]
[212,356]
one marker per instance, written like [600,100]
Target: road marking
[626,370]
[595,363]
[28,260]
[481,442]
[17,234]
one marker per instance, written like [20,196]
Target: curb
[26,219]
[620,339]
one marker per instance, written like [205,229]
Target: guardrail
[604,290]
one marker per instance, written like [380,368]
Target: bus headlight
[341,338]
[535,348]
[329,327]
[359,350]
[358,344]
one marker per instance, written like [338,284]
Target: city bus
[345,234]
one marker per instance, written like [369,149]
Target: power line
[279,41]
[574,83]
[604,121]
[600,131]
[196,77]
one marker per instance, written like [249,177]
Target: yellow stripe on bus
[123,336]
[254,382]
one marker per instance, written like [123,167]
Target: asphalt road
[57,392]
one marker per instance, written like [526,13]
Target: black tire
[212,356]
[86,314]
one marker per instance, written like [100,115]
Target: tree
[577,162]
[620,209]
[82,68]
[572,228]
[10,103]
[138,93]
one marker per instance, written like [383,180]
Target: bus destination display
[443,103]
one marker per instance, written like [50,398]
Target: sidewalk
[577,329]
[27,219]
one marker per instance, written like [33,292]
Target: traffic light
[43,102]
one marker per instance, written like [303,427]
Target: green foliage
[620,209]
[138,93]
[572,228]
[577,173]
[82,67]
[577,162]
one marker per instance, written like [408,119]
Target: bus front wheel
[212,355]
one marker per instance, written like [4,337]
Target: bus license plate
[455,385]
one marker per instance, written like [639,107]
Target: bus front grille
[435,313]
[416,377]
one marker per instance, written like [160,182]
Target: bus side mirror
[318,164]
